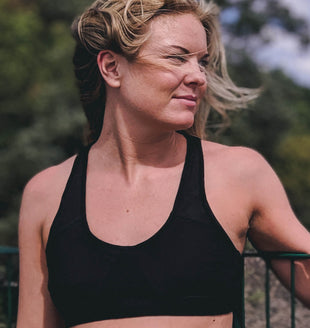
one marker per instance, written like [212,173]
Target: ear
[108,66]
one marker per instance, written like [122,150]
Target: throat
[130,156]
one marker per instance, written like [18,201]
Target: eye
[203,64]
[179,59]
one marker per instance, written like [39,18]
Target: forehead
[180,29]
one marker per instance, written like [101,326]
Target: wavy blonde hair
[122,26]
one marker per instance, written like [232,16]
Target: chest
[127,215]
[123,215]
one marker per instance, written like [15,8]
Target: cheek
[165,82]
[158,78]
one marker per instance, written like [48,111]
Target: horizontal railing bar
[8,250]
[267,256]
[14,250]
[275,255]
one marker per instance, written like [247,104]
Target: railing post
[9,290]
[292,293]
[242,299]
[267,292]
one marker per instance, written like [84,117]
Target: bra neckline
[157,234]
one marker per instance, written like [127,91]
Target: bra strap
[71,202]
[191,188]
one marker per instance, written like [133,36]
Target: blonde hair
[122,26]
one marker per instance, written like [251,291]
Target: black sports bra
[189,267]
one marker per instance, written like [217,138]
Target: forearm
[282,269]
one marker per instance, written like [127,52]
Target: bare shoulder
[43,192]
[243,161]
[244,170]
[40,202]
[45,180]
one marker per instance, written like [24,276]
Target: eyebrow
[186,51]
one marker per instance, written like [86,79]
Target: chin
[183,125]
[187,121]
[177,121]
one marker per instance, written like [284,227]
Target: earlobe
[108,66]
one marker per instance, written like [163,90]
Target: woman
[146,226]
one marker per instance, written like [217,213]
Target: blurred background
[42,122]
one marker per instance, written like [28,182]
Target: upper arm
[35,308]
[273,226]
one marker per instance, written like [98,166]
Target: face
[166,83]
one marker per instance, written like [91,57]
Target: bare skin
[235,217]
[137,156]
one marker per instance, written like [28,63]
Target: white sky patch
[285,52]
[300,8]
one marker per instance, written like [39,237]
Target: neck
[131,150]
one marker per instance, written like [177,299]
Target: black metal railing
[268,257]
[9,284]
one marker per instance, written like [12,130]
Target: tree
[41,116]
[42,121]
[278,124]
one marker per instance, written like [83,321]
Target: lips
[188,100]
[187,97]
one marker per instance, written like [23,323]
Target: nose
[195,75]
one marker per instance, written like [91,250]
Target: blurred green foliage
[42,122]
[41,119]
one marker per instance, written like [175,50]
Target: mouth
[189,100]
[187,97]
